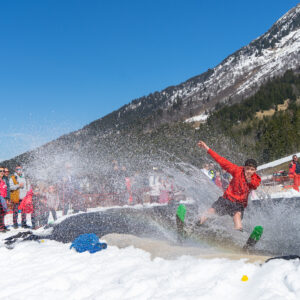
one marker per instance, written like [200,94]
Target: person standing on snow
[52,200]
[155,186]
[6,179]
[18,190]
[294,172]
[3,205]
[69,192]
[235,198]
[294,166]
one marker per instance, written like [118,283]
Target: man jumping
[235,198]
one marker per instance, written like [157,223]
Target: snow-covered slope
[238,76]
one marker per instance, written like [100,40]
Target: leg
[65,208]
[53,211]
[23,219]
[15,214]
[33,219]
[237,219]
[46,217]
[207,214]
[2,226]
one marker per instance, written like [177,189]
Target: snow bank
[50,270]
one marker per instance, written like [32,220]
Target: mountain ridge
[238,76]
[245,70]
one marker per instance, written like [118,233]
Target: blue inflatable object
[88,242]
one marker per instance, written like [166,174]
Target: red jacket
[238,189]
[294,169]
[3,188]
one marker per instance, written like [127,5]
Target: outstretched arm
[224,163]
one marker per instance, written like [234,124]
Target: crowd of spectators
[22,196]
[219,176]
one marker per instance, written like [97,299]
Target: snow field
[50,270]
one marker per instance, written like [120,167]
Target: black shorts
[226,207]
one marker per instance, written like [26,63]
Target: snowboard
[184,231]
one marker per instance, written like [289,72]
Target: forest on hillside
[233,130]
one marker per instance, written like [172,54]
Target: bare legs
[207,214]
[237,218]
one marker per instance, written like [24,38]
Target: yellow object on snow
[244,278]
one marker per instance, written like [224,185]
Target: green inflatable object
[181,211]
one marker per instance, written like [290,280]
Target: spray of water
[281,223]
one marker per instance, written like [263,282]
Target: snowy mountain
[236,77]
[132,126]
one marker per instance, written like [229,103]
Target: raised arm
[223,162]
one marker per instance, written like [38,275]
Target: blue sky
[64,64]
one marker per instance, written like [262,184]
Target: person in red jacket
[294,172]
[235,198]
[3,205]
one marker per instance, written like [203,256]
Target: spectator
[114,183]
[205,170]
[69,192]
[52,201]
[6,179]
[125,184]
[225,178]
[294,166]
[40,214]
[166,190]
[18,190]
[212,172]
[3,205]
[218,180]
[154,184]
[139,187]
[294,171]
[208,170]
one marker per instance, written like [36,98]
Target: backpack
[88,242]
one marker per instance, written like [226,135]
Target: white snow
[199,118]
[50,270]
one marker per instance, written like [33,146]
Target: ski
[254,238]
[180,216]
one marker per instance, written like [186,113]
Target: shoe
[16,226]
[6,228]
[2,230]
[25,226]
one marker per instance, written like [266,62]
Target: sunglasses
[1,171]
